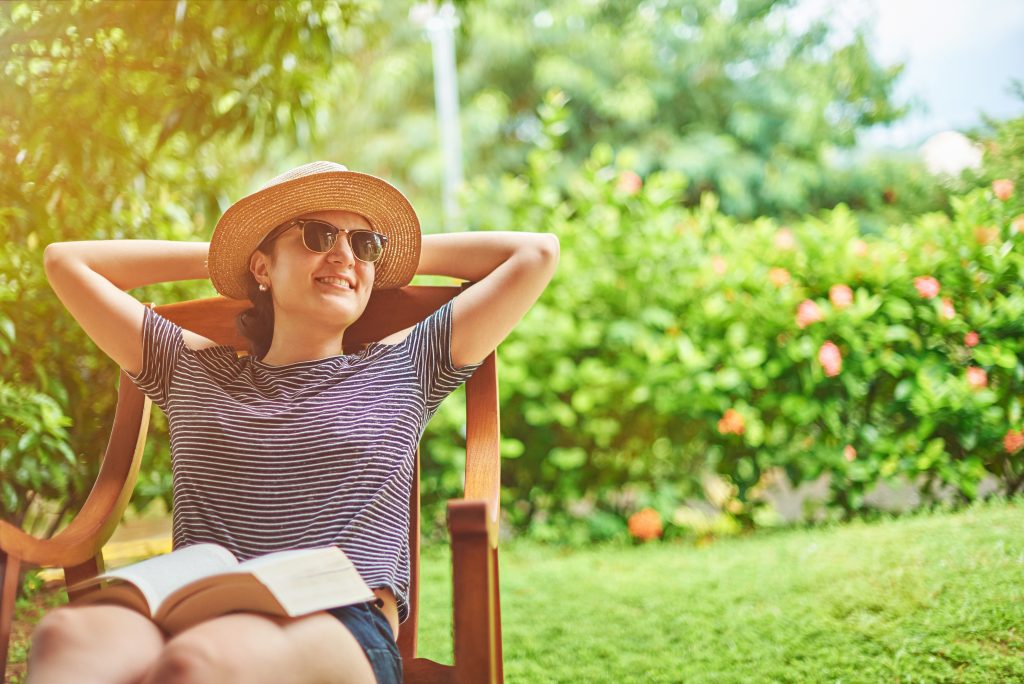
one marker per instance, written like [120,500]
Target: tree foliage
[726,93]
[140,120]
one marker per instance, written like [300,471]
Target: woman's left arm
[509,270]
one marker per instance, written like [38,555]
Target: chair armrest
[94,524]
[477,511]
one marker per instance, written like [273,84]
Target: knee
[190,660]
[63,629]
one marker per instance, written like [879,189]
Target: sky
[960,55]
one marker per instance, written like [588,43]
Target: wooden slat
[483,442]
[408,632]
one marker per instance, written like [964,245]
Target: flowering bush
[674,341]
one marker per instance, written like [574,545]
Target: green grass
[930,598]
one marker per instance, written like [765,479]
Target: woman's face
[332,287]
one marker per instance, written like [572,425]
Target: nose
[341,250]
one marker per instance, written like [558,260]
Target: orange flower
[1013,441]
[849,453]
[731,422]
[778,276]
[985,234]
[841,296]
[977,378]
[630,182]
[645,524]
[718,264]
[1018,224]
[860,248]
[1003,188]
[971,339]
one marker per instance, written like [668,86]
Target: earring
[263,287]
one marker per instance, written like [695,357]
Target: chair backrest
[388,311]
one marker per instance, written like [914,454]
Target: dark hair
[257,323]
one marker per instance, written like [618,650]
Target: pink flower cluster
[927,286]
[840,295]
[629,182]
[977,378]
[1003,188]
[830,359]
[807,313]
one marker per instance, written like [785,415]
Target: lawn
[929,598]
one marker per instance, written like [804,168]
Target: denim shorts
[372,630]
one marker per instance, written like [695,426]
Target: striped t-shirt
[312,453]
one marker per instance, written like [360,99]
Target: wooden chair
[472,520]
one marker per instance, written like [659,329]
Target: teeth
[335,281]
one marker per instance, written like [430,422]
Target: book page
[310,579]
[157,577]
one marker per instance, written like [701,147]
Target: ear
[259,265]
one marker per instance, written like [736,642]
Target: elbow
[53,255]
[547,248]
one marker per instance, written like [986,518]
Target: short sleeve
[430,344]
[162,345]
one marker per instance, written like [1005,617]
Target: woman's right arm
[90,277]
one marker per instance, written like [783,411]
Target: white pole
[440,25]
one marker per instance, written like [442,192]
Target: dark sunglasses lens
[318,236]
[367,245]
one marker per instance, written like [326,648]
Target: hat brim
[247,221]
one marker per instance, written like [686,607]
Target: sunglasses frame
[301,223]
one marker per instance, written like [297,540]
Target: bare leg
[88,644]
[245,647]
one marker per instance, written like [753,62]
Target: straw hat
[317,186]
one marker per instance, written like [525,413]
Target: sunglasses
[320,237]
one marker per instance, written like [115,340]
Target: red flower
[630,183]
[841,296]
[807,313]
[1013,441]
[1003,188]
[971,339]
[977,378]
[927,286]
[778,276]
[830,359]
[645,524]
[731,422]
[849,453]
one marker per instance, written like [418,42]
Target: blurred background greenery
[741,299]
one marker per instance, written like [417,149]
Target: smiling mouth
[335,283]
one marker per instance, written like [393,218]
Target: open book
[185,587]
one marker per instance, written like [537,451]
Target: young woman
[296,445]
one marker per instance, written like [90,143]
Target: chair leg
[477,619]
[495,614]
[9,567]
